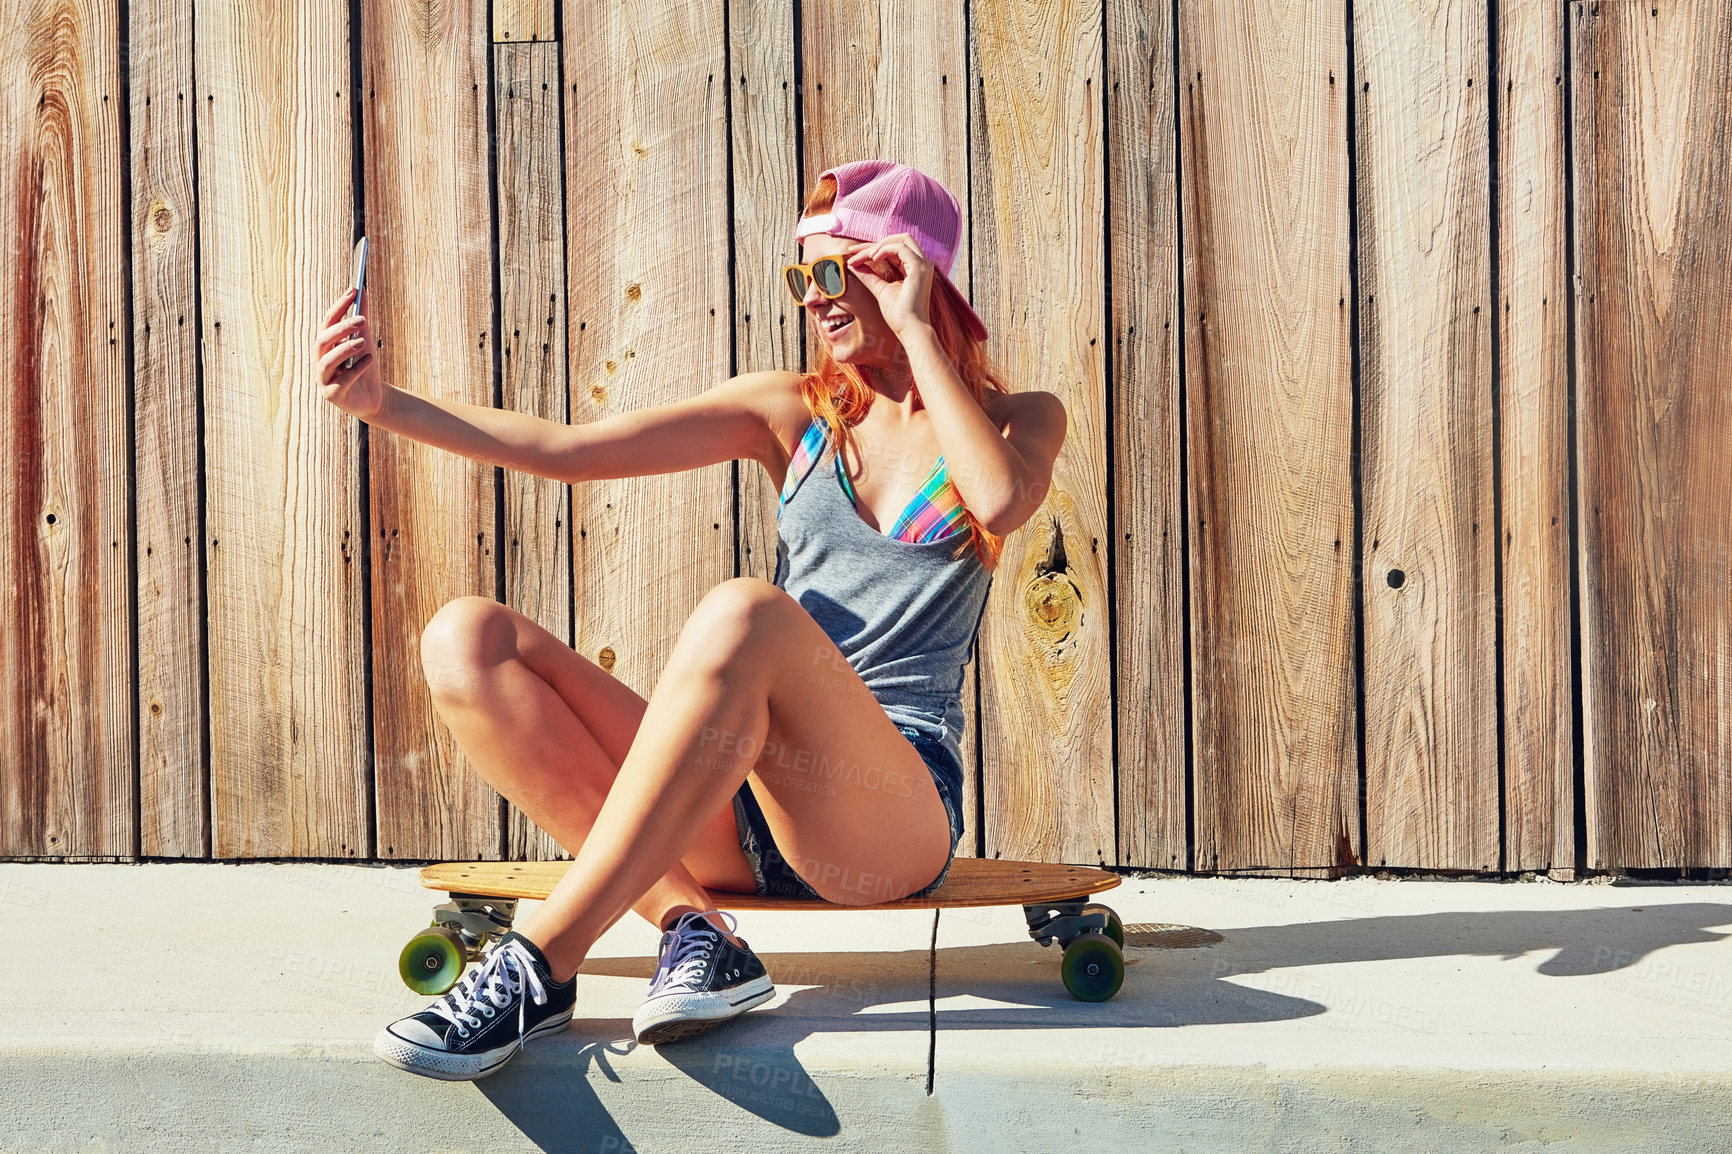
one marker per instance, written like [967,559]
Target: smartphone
[360,283]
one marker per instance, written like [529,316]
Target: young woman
[804,737]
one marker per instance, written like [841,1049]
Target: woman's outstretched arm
[723,423]
[747,417]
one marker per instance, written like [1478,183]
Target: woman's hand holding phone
[358,390]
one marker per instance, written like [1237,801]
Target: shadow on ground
[751,1062]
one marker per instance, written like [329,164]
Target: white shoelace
[683,960]
[489,988]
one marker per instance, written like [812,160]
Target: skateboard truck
[1062,922]
[476,918]
[1093,940]
[434,958]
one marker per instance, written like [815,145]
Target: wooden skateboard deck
[971,882]
[484,897]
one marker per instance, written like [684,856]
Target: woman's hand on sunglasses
[900,277]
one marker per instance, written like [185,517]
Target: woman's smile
[835,324]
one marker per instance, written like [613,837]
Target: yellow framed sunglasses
[827,272]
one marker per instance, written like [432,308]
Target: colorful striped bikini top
[932,514]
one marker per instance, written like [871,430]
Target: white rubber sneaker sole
[448,1067]
[675,1016]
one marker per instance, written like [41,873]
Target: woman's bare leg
[548,729]
[753,685]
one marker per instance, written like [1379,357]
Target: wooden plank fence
[1653,240]
[1391,530]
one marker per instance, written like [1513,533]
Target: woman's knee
[464,638]
[737,620]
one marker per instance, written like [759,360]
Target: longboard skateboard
[1054,899]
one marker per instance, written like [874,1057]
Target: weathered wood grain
[1038,183]
[433,530]
[1149,695]
[1533,439]
[769,327]
[523,20]
[646,211]
[66,744]
[1653,133]
[1429,584]
[173,792]
[889,80]
[1269,430]
[530,167]
[276,223]
[1268,404]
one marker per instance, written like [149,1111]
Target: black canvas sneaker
[492,1012]
[701,978]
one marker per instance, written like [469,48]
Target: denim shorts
[776,877]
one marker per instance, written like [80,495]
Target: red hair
[838,394]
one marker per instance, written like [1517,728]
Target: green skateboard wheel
[1093,969]
[432,961]
[1115,928]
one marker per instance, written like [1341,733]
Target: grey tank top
[904,614]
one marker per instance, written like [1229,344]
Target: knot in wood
[605,658]
[1051,601]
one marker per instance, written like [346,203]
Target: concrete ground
[232,1008]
